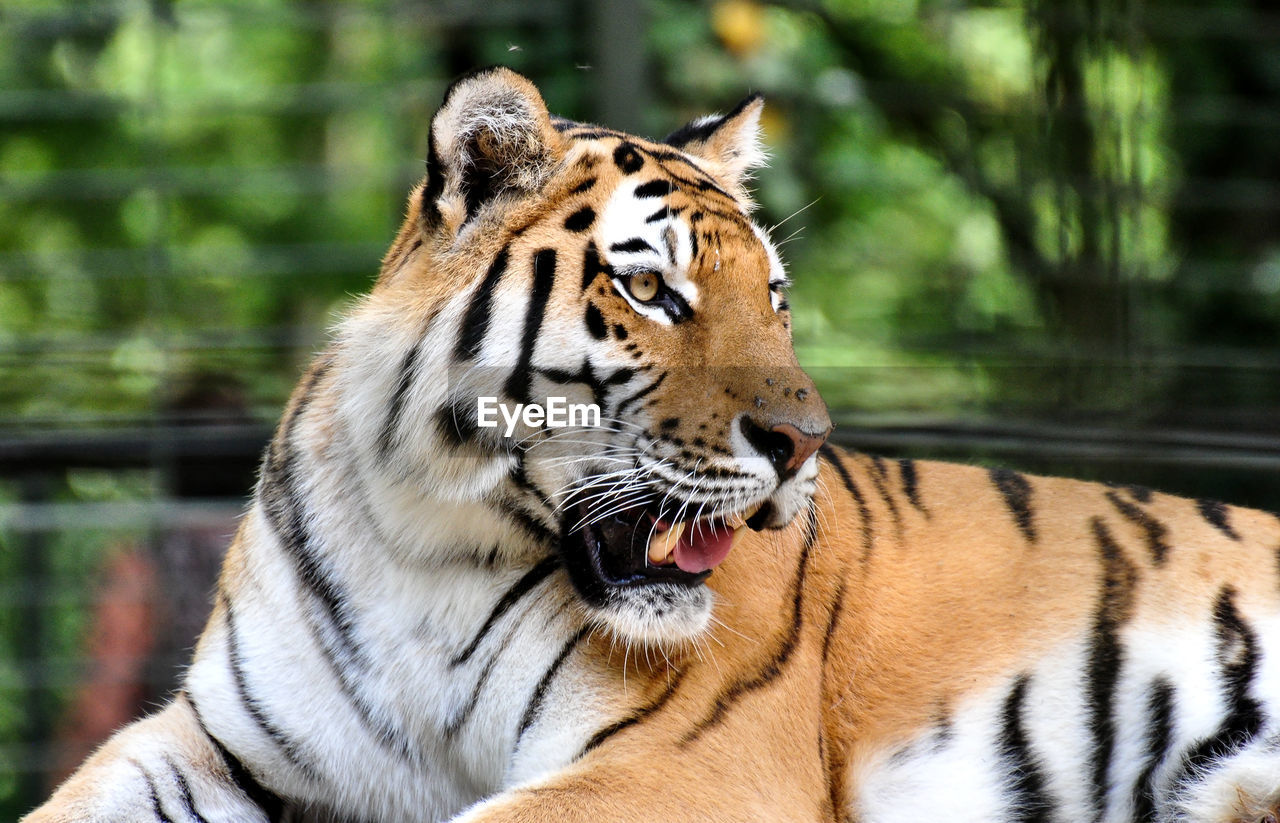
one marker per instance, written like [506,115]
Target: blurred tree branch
[1075,283]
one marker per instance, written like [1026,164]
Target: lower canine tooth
[662,545]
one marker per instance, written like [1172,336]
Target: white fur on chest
[426,732]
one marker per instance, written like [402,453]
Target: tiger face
[622,275]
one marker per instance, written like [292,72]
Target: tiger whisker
[805,207]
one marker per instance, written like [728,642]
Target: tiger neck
[371,512]
[411,609]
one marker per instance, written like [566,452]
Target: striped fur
[401,634]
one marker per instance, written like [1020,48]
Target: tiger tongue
[703,547]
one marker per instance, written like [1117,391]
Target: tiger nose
[785,446]
[803,445]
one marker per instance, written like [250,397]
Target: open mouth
[647,544]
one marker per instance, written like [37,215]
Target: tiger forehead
[599,153]
[630,154]
[657,186]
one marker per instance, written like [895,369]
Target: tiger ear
[730,142]
[492,138]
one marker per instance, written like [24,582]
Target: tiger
[695,608]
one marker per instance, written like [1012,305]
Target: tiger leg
[763,761]
[161,768]
[668,789]
[1241,788]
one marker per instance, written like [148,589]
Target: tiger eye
[644,286]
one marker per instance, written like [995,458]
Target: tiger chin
[690,607]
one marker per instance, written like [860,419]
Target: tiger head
[544,260]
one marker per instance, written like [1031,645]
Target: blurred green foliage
[976,199]
[1014,209]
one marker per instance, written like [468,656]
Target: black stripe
[544,278]
[1153,529]
[475,323]
[379,726]
[1106,656]
[455,724]
[408,368]
[537,531]
[879,476]
[1029,800]
[733,218]
[434,187]
[863,510]
[1159,738]
[618,377]
[585,185]
[829,799]
[580,220]
[270,802]
[1216,514]
[404,257]
[773,666]
[510,597]
[639,715]
[1016,491]
[635,244]
[641,393]
[156,808]
[457,426]
[534,706]
[695,217]
[911,484]
[286,512]
[654,188]
[519,477]
[251,704]
[696,131]
[1238,655]
[837,608]
[698,181]
[184,792]
[664,213]
[595,322]
[1139,493]
[319,370]
[592,265]
[701,181]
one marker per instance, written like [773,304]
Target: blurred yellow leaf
[739,24]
